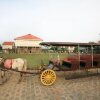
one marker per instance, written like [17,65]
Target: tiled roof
[28,36]
[8,43]
[69,44]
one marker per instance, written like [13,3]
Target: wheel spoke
[48,77]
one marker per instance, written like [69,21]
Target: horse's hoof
[1,83]
[19,81]
[6,79]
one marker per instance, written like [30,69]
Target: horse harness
[8,63]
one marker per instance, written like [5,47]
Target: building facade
[28,44]
[8,47]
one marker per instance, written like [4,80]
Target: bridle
[1,60]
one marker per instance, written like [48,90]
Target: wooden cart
[78,61]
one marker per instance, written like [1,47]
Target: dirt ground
[68,86]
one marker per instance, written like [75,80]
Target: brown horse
[17,64]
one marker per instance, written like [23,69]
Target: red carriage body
[77,61]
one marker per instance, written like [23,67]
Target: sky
[51,20]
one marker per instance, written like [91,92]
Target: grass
[34,60]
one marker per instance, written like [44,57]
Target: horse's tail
[25,65]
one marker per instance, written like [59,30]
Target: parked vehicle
[76,61]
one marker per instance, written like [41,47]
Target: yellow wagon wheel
[48,77]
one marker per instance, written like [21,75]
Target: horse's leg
[23,69]
[20,79]
[3,79]
[2,74]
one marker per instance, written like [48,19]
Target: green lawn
[34,60]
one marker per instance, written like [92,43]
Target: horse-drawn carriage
[76,61]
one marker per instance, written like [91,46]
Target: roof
[7,43]
[28,37]
[69,44]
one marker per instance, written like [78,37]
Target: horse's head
[1,60]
